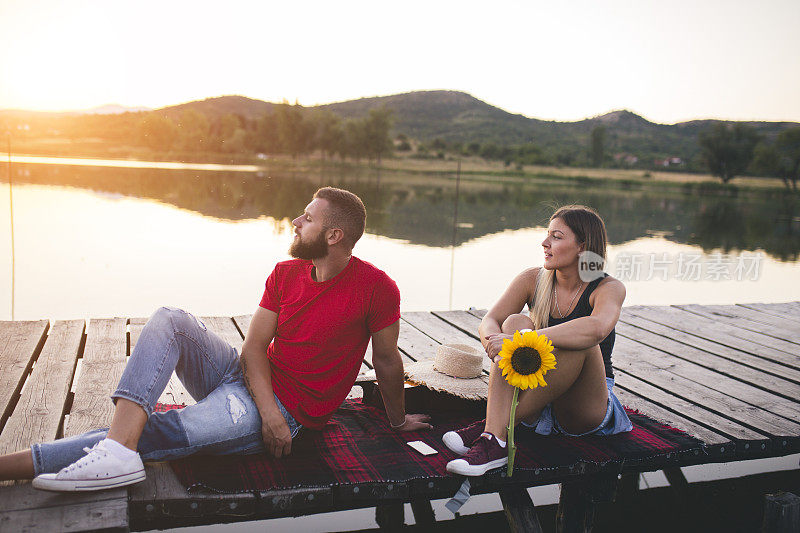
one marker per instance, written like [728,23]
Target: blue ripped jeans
[224,420]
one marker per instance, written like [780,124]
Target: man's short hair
[346,212]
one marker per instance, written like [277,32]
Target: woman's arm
[584,332]
[512,301]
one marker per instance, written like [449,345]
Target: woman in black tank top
[577,306]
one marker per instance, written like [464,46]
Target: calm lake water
[98,241]
[93,240]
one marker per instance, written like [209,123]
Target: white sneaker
[99,469]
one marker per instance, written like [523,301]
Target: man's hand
[413,423]
[494,343]
[276,436]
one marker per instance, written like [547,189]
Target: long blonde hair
[590,231]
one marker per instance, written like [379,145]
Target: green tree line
[288,129]
[736,150]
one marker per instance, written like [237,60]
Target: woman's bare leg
[576,387]
[18,465]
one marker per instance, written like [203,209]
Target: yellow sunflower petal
[529,338]
[541,380]
[508,345]
[549,364]
[528,384]
[539,343]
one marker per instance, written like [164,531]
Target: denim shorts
[615,421]
[224,421]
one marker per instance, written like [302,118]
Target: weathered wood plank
[656,412]
[713,381]
[226,329]
[295,500]
[103,362]
[174,393]
[22,506]
[161,483]
[439,330]
[732,327]
[785,330]
[415,344]
[462,320]
[40,409]
[162,490]
[478,313]
[788,310]
[785,321]
[725,352]
[708,389]
[103,513]
[443,332]
[787,389]
[243,323]
[20,343]
[781,513]
[717,332]
[685,408]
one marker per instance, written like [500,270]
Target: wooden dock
[729,375]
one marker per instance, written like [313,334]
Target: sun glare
[566,61]
[55,64]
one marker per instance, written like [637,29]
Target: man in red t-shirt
[314,322]
[303,350]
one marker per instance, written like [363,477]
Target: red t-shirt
[323,332]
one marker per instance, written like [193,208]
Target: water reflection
[419,209]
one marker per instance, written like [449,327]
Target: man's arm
[389,371]
[257,377]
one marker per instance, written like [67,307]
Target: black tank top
[582,308]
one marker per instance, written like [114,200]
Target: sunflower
[526,359]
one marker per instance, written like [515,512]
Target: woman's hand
[494,343]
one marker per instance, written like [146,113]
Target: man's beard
[315,249]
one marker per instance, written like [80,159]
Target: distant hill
[457,117]
[449,115]
[215,108]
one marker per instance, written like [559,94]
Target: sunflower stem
[512,448]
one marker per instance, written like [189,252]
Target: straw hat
[457,369]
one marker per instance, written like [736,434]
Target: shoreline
[472,169]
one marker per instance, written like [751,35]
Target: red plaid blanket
[357,446]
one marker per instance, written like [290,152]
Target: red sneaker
[460,441]
[484,455]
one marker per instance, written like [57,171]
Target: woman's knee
[516,322]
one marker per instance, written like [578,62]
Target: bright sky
[668,61]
